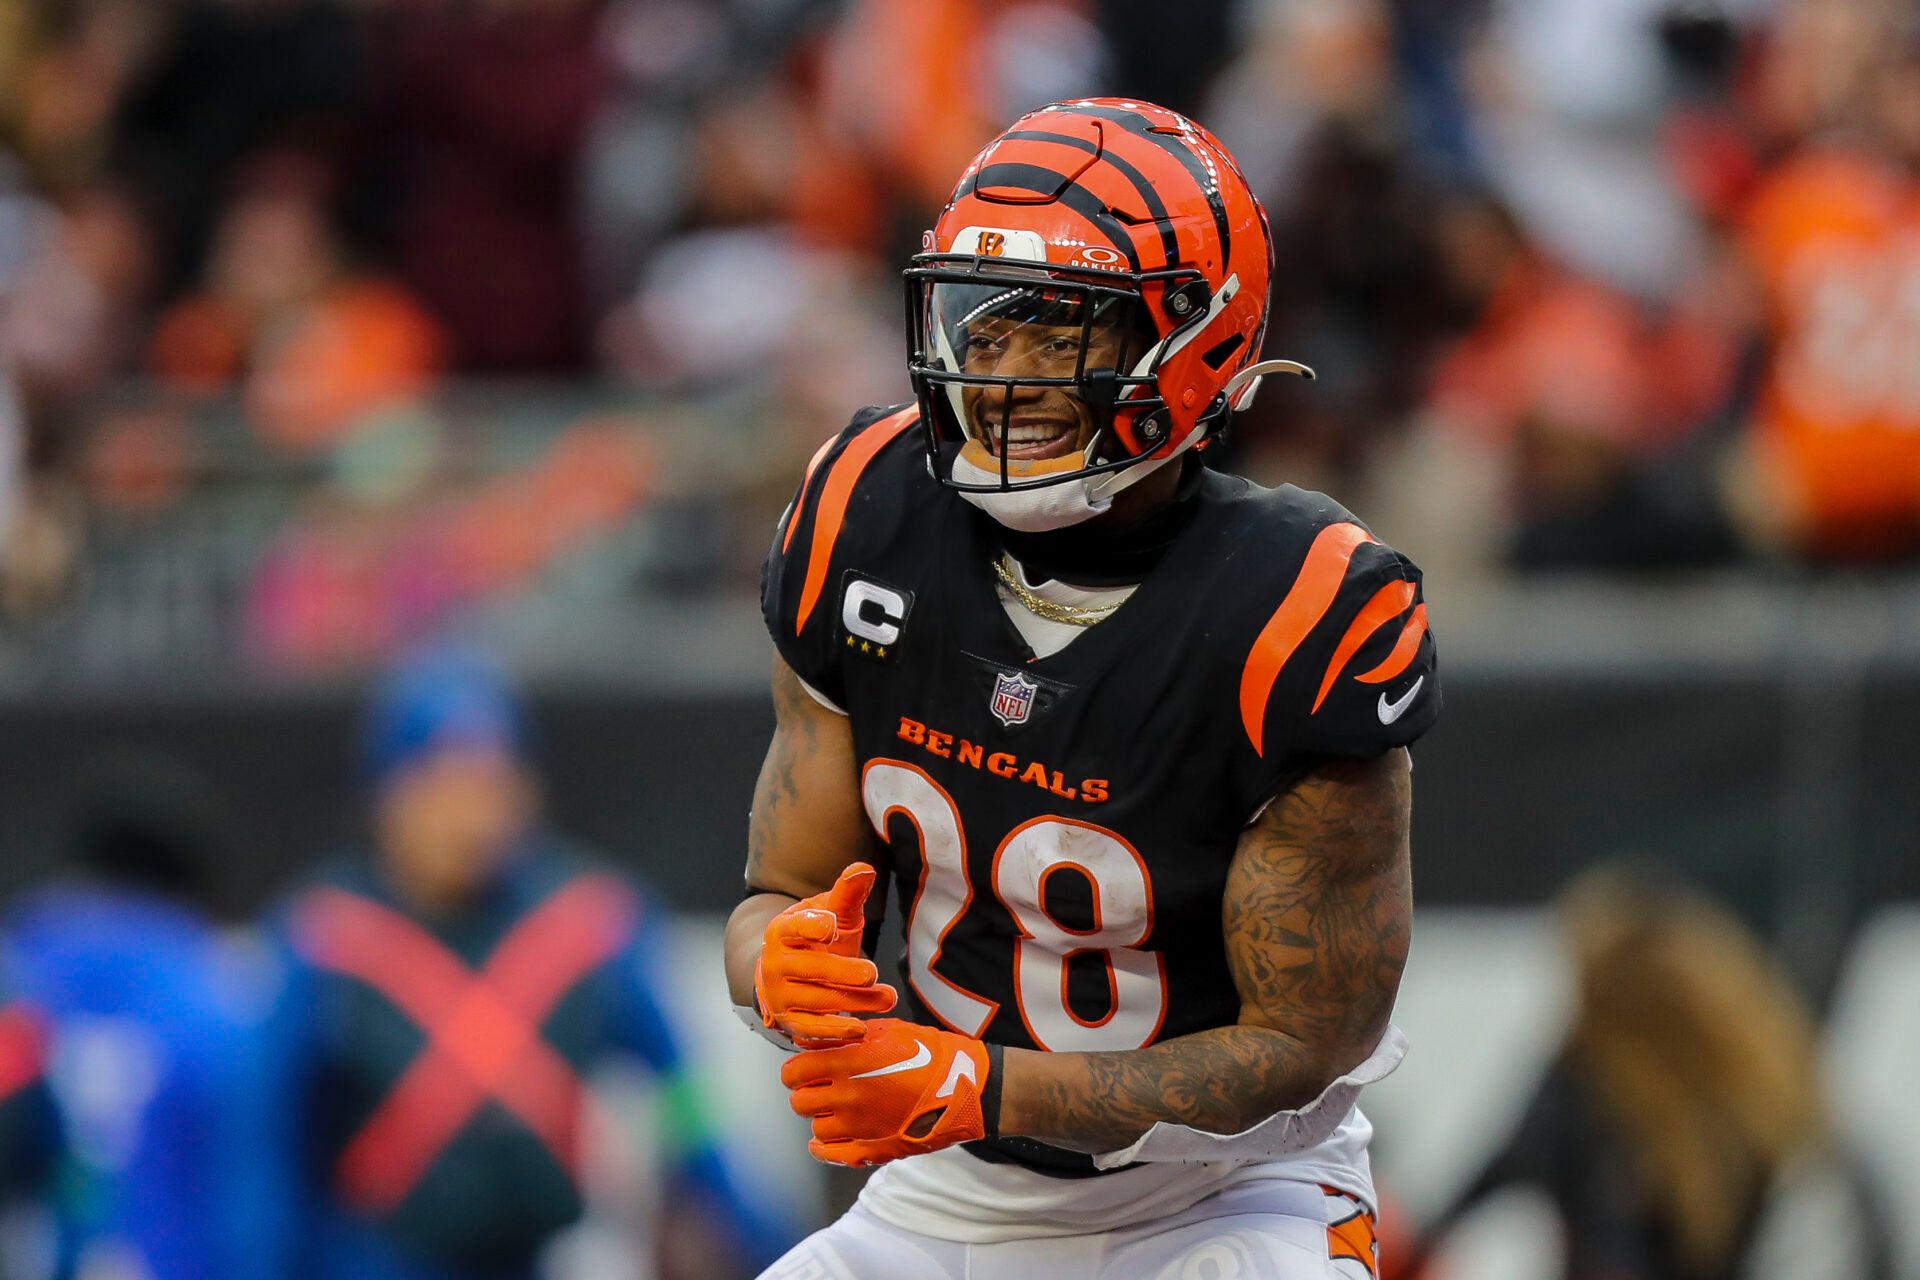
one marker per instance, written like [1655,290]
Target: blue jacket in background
[146,1058]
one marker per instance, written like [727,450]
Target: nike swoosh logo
[921,1057]
[1391,711]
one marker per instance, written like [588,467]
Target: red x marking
[482,1027]
[20,1049]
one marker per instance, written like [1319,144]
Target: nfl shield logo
[1012,699]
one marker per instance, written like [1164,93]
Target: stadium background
[329,327]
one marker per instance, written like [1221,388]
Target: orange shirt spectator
[1834,237]
[362,346]
[1555,347]
[313,347]
[927,112]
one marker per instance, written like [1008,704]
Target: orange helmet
[1120,241]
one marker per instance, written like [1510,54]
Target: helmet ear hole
[1219,353]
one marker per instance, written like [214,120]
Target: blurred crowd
[433,1056]
[1609,284]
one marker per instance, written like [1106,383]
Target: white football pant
[1268,1230]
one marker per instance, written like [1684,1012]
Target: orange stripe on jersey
[1305,604]
[793,515]
[1404,650]
[834,497]
[1387,604]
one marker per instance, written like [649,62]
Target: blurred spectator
[1307,65]
[228,80]
[316,345]
[925,117]
[1580,402]
[72,275]
[482,109]
[669,63]
[954,70]
[1817,69]
[1833,464]
[146,1009]
[73,64]
[1685,1097]
[1311,109]
[449,989]
[70,305]
[13,407]
[1569,101]
[774,289]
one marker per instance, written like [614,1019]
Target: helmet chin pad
[1037,507]
[1030,507]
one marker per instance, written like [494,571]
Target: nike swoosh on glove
[904,1089]
[811,976]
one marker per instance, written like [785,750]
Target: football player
[1127,734]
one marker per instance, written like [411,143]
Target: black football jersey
[1060,827]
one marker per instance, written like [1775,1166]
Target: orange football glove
[811,976]
[902,1090]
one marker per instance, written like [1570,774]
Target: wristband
[990,1096]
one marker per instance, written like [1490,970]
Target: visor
[1038,374]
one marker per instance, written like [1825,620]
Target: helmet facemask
[1032,376]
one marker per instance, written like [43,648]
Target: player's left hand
[900,1090]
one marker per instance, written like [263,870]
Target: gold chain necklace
[1071,615]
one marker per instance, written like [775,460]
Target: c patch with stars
[873,617]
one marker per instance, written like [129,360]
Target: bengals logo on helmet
[992,244]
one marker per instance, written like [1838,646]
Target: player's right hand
[811,976]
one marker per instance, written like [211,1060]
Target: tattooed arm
[807,822]
[1318,915]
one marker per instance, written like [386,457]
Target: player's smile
[1033,436]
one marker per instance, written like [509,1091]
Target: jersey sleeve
[831,515]
[1345,665]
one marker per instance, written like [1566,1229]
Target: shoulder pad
[855,488]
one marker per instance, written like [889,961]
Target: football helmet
[1089,306]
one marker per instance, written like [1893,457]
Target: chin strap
[1244,385]
[1103,489]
